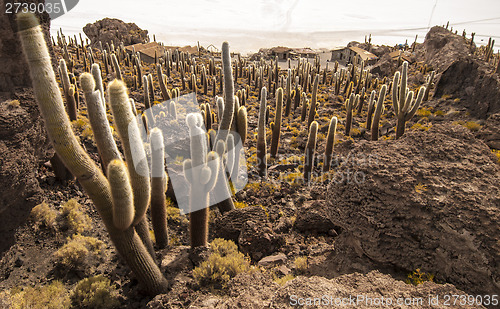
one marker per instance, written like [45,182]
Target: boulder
[429,200]
[490,131]
[109,30]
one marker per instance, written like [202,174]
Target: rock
[430,200]
[313,216]
[230,224]
[273,260]
[109,30]
[258,240]
[371,290]
[473,84]
[385,66]
[284,224]
[442,48]
[283,270]
[490,132]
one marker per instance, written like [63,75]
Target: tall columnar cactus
[97,186]
[96,73]
[349,104]
[305,106]
[428,86]
[116,66]
[310,150]
[313,105]
[378,112]
[261,135]
[330,142]
[68,89]
[288,106]
[404,105]
[164,91]
[229,102]
[201,173]
[276,125]
[371,109]
[159,183]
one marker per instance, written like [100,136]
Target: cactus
[116,65]
[121,192]
[49,100]
[288,93]
[404,105]
[229,102]
[310,150]
[378,112]
[305,105]
[349,104]
[68,90]
[276,125]
[96,73]
[261,135]
[371,109]
[330,142]
[159,183]
[313,105]
[201,173]
[164,91]
[428,86]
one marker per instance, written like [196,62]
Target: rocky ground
[422,209]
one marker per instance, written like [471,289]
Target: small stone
[273,260]
[283,270]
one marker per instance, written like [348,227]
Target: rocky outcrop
[109,30]
[442,48]
[13,68]
[490,131]
[430,200]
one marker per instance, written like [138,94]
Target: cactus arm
[378,112]
[403,84]
[417,103]
[277,122]
[121,192]
[116,65]
[96,72]
[229,109]
[408,101]
[213,165]
[99,121]
[231,154]
[261,135]
[130,136]
[186,167]
[395,100]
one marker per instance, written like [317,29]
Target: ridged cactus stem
[428,85]
[164,91]
[159,183]
[103,136]
[68,93]
[411,107]
[276,126]
[92,179]
[371,109]
[378,112]
[349,107]
[96,73]
[121,192]
[330,142]
[312,107]
[116,65]
[288,105]
[201,172]
[135,155]
[310,150]
[261,136]
[229,104]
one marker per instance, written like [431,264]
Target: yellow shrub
[42,214]
[95,293]
[51,296]
[76,220]
[417,277]
[224,263]
[301,264]
[77,250]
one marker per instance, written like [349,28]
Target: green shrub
[95,293]
[224,263]
[51,296]
[75,219]
[76,251]
[43,215]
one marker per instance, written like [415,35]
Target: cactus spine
[378,112]
[309,151]
[276,125]
[127,242]
[404,105]
[201,172]
[330,142]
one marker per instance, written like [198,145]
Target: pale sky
[248,25]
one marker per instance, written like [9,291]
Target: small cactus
[330,142]
[310,150]
[276,125]
[378,112]
[371,109]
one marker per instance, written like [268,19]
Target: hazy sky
[248,25]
